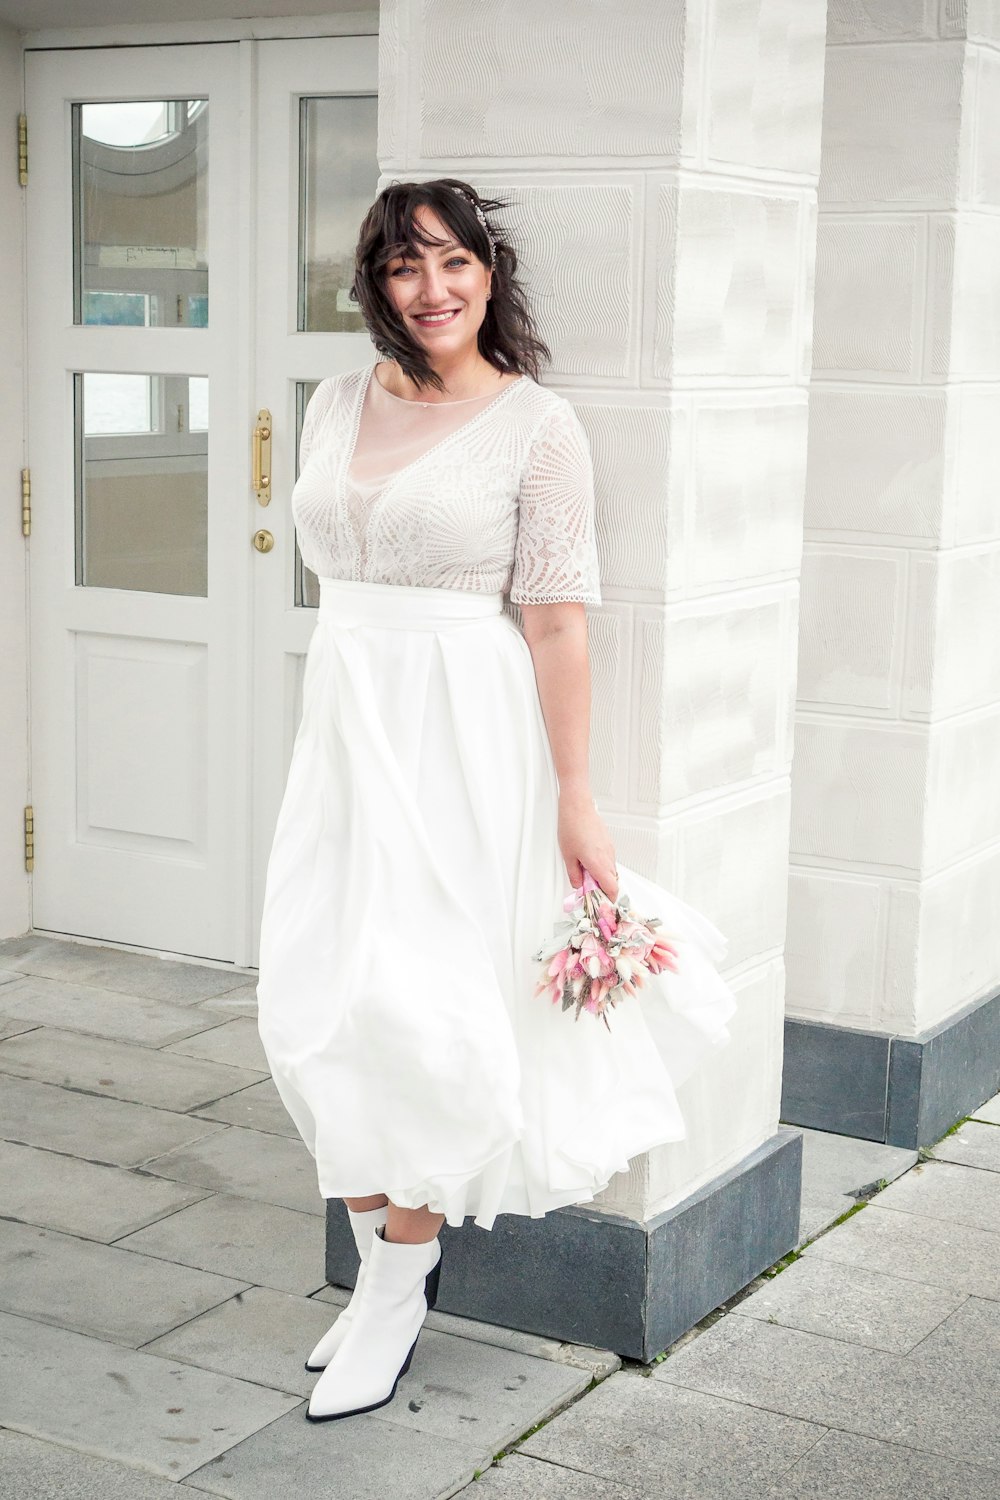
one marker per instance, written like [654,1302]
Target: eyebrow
[450,245]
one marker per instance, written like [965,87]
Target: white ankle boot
[401,1283]
[364,1226]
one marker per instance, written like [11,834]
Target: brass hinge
[29,838]
[22,149]
[25,502]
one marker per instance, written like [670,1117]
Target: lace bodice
[495,494]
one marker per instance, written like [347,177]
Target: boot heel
[431,1284]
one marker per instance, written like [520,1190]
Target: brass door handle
[262,456]
[263,541]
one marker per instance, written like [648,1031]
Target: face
[446,278]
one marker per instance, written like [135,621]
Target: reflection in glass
[306,582]
[338,180]
[141,444]
[140,221]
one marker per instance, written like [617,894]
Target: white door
[191,212]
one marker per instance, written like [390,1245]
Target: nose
[434,288]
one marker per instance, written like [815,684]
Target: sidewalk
[161,1274]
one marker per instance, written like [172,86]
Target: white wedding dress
[415,867]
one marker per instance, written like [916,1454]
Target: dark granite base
[906,1091]
[594,1278]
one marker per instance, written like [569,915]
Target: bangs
[403,234]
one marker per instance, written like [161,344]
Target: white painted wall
[895,875]
[14,909]
[664,159]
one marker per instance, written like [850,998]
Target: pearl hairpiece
[482,219]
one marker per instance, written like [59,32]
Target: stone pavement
[161,1275]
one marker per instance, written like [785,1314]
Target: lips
[435,320]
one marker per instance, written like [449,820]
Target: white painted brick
[851,623]
[609,644]
[736,278]
[897,1007]
[917,689]
[661,277]
[858,793]
[639,455]
[747,1075]
[939,312]
[958,951]
[571,79]
[979,20]
[724,675]
[732,864]
[876,462]
[891,124]
[834,949]
[748,484]
[765,83]
[867,295]
[963,788]
[984,188]
[576,251]
[807,310]
[391,87]
[965,625]
[974,475]
[880,20]
[646,705]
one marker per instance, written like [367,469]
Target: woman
[438,801]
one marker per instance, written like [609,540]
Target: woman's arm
[556,635]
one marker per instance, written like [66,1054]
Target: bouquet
[601,952]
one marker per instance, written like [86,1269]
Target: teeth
[435,317]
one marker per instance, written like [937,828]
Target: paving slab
[81,1007]
[239,1001]
[120,1070]
[975,1144]
[156,1414]
[851,1302]
[856,1468]
[103,1130]
[907,1399]
[516,1477]
[263,1333]
[934,1252]
[82,1197]
[99,1289]
[836,1168]
[635,1431]
[31,1468]
[247,1164]
[990,1111]
[153,975]
[261,1243]
[236,1042]
[358,1458]
[259,1106]
[942,1190]
[15,1028]
[6,975]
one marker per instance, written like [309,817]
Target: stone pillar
[894,943]
[664,161]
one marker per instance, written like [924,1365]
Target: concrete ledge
[906,1091]
[594,1278]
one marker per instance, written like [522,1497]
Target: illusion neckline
[460,401]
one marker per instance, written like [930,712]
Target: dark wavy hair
[507,337]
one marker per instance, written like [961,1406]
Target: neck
[464,374]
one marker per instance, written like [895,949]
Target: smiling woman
[438,801]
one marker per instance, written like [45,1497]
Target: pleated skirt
[414,871]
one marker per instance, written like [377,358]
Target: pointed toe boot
[364,1226]
[400,1285]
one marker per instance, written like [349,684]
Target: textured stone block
[639,455]
[963,588]
[876,463]
[737,273]
[609,638]
[765,83]
[834,1078]
[891,123]
[579,81]
[874,21]
[975,439]
[858,793]
[850,637]
[714,853]
[834,952]
[867,297]
[964,298]
[747,484]
[963,793]
[940,1075]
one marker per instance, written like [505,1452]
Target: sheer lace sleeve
[316,407]
[555,554]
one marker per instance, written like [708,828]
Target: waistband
[348,601]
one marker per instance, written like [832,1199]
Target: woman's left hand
[584,841]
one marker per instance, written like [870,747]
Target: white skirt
[414,872]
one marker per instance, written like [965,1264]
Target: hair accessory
[482,219]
